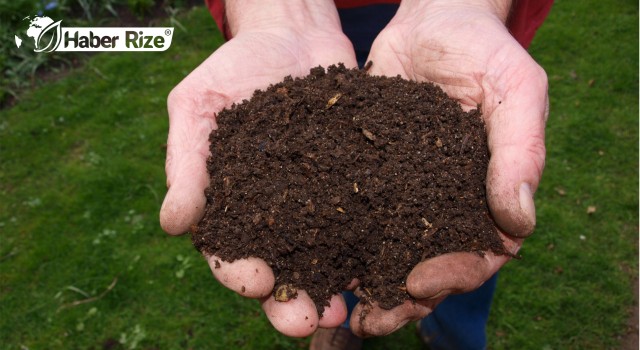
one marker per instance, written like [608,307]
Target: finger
[296,317]
[516,143]
[191,119]
[453,273]
[250,277]
[335,314]
[369,320]
[382,62]
[353,284]
[184,202]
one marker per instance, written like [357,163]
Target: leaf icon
[54,40]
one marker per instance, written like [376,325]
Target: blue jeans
[362,25]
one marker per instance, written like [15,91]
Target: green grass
[568,291]
[82,180]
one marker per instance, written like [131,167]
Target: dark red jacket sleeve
[524,20]
[526,17]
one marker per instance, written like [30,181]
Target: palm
[229,75]
[248,62]
[476,61]
[456,55]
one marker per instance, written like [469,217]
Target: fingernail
[440,294]
[526,203]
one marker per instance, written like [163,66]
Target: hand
[271,40]
[465,48]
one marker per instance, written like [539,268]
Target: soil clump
[342,175]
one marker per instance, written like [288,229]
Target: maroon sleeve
[216,7]
[525,18]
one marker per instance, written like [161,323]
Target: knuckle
[537,153]
[174,97]
[541,76]
[415,284]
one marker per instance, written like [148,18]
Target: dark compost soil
[342,175]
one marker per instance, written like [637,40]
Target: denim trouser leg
[460,321]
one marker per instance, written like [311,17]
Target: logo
[49,35]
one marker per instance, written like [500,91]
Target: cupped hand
[256,57]
[469,53]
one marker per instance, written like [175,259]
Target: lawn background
[82,180]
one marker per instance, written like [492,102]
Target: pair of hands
[463,47]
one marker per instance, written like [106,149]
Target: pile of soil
[342,175]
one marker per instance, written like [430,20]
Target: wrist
[268,15]
[417,9]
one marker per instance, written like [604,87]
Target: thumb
[516,143]
[190,123]
[184,202]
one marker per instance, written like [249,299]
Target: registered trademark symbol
[167,32]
